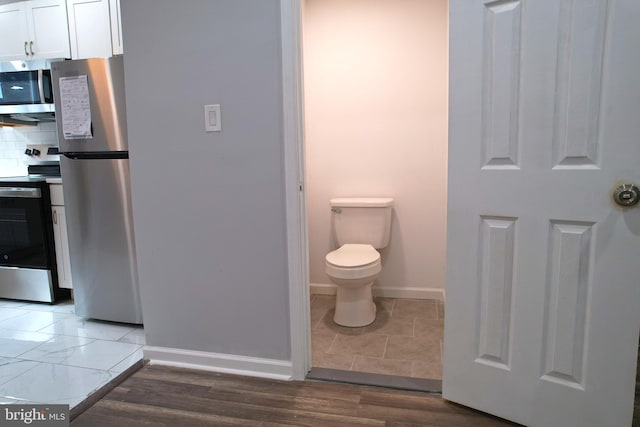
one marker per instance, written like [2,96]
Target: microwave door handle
[41,85]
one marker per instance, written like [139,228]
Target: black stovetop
[37,175]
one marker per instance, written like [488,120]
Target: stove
[27,251]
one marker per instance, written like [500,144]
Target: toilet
[361,226]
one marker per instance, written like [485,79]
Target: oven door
[22,228]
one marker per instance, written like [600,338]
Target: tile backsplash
[14,140]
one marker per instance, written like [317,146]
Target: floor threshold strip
[377,380]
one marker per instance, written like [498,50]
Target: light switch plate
[212,121]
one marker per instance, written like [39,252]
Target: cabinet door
[89,28]
[116,27]
[13,31]
[47,23]
[62,247]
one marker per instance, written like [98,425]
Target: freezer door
[101,243]
[89,99]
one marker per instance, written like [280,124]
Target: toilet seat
[353,255]
[353,261]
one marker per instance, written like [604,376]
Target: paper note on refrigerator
[76,108]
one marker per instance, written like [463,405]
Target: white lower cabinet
[60,237]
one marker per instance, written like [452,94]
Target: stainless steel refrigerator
[92,137]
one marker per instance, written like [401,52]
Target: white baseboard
[217,362]
[388,292]
[322,289]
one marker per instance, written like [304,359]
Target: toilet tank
[365,220]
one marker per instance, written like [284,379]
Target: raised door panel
[496,255]
[500,88]
[47,21]
[581,45]
[568,282]
[89,28]
[13,32]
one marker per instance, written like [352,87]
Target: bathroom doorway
[375,89]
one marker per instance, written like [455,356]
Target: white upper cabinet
[34,29]
[89,28]
[14,35]
[116,27]
[94,28]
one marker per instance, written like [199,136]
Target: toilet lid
[353,255]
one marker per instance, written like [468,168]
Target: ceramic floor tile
[14,343]
[11,368]
[384,303]
[327,324]
[419,348]
[12,304]
[26,374]
[32,321]
[52,383]
[326,301]
[78,327]
[364,345]
[321,340]
[35,306]
[64,307]
[378,365]
[100,354]
[320,305]
[415,308]
[429,328]
[82,352]
[412,329]
[134,337]
[4,400]
[129,361]
[429,370]
[386,324]
[57,349]
[10,312]
[333,361]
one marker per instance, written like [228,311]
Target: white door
[543,269]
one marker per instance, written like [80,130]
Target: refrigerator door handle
[95,155]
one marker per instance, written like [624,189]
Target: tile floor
[49,355]
[405,339]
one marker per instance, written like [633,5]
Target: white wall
[14,140]
[376,125]
[208,207]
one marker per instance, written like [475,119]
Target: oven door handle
[22,192]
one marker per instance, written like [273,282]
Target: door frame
[295,203]
[291,34]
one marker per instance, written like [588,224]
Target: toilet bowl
[354,268]
[362,225]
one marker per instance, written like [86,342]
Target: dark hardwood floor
[158,395]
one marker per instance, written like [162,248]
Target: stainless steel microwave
[26,87]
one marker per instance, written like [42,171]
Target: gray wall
[208,207]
